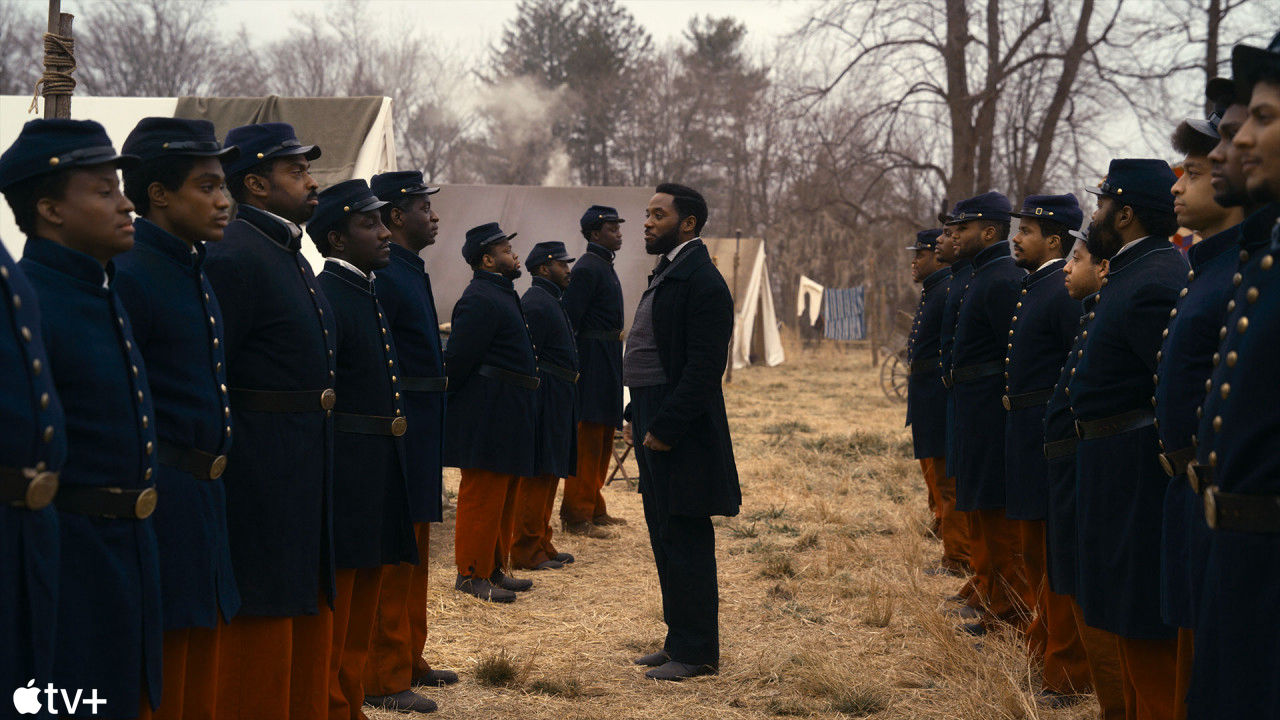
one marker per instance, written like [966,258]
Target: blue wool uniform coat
[1060,425]
[982,334]
[371,523]
[961,271]
[1237,642]
[594,303]
[556,452]
[1045,322]
[176,318]
[279,337]
[404,291]
[109,617]
[1120,484]
[1185,362]
[28,538]
[926,395]
[489,424]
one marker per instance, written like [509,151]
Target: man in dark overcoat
[673,366]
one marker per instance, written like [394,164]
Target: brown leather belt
[27,487]
[1114,425]
[107,502]
[201,465]
[969,373]
[1175,463]
[1199,476]
[1241,513]
[370,424]
[425,384]
[559,371]
[605,335]
[924,365]
[1026,400]
[1060,448]
[511,378]
[283,401]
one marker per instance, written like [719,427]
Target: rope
[59,63]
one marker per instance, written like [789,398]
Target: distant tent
[755,323]
[809,299]
[843,313]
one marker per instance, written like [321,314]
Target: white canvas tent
[755,326]
[361,147]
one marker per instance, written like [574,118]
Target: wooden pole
[733,337]
[58,105]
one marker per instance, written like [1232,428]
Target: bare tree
[21,50]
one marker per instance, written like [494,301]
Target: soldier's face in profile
[557,271]
[1081,275]
[365,242]
[1030,247]
[1193,200]
[1228,176]
[92,216]
[1259,143]
[923,265]
[291,192]
[501,259]
[199,208]
[421,222]
[610,236]
[947,246]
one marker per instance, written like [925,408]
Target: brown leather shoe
[607,519]
[435,678]
[483,589]
[589,530]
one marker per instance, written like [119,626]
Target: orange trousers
[1182,678]
[1102,650]
[931,487]
[1003,593]
[190,672]
[276,667]
[583,499]
[400,626]
[531,536]
[355,607]
[1147,672]
[954,524]
[1052,637]
[485,517]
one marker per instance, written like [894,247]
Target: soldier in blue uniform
[927,398]
[60,177]
[29,467]
[1237,646]
[492,392]
[1184,364]
[1120,484]
[396,661]
[371,520]
[556,451]
[177,192]
[279,345]
[594,303]
[981,227]
[1045,322]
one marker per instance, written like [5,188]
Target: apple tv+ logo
[26,700]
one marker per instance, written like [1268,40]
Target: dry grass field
[824,609]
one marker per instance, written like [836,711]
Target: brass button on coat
[328,398]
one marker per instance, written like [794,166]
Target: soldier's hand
[626,435]
[655,444]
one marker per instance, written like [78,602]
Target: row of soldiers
[219,469]
[1095,417]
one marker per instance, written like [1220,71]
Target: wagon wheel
[893,377]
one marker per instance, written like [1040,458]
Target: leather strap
[1060,448]
[1175,463]
[1027,400]
[201,465]
[425,384]
[27,487]
[1241,513]
[924,365]
[1114,425]
[107,502]
[559,371]
[506,376]
[605,335]
[370,424]
[283,401]
[969,373]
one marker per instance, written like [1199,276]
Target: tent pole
[737,249]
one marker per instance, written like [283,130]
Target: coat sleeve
[1146,317]
[709,327]
[236,287]
[577,297]
[472,331]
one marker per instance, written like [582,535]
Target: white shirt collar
[676,250]
[352,268]
[1128,245]
[295,231]
[1055,260]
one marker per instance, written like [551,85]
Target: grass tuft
[497,670]
[777,567]
[567,688]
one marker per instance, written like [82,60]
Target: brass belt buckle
[398,426]
[327,399]
[1211,507]
[217,467]
[1079,431]
[146,503]
[1007,405]
[1167,465]
[42,486]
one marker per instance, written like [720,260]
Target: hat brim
[922,247]
[310,152]
[368,205]
[1203,127]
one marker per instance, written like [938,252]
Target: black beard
[511,274]
[1106,234]
[1232,197]
[664,243]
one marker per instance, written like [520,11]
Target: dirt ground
[824,609]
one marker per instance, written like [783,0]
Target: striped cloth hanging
[843,313]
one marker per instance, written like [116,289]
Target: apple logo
[27,699]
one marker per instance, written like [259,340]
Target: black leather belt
[201,465]
[559,371]
[1026,400]
[370,424]
[1060,448]
[924,365]
[1114,425]
[1241,513]
[506,376]
[969,373]
[283,401]
[1175,463]
[27,487]
[107,502]
[1199,476]
[424,384]
[606,335]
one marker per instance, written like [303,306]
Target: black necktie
[662,265]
